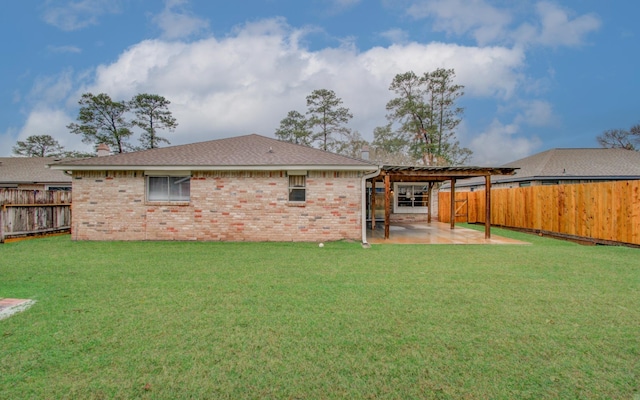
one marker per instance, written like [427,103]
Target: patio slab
[433,233]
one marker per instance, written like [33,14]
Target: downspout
[364,204]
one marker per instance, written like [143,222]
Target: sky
[537,74]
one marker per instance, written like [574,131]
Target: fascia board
[213,167]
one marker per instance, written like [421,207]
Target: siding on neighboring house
[223,206]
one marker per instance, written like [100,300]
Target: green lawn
[284,320]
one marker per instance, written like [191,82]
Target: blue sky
[537,74]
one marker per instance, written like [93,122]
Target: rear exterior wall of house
[223,206]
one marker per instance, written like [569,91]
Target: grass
[291,320]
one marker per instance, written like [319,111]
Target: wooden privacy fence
[606,211]
[33,212]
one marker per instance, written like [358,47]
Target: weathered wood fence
[33,212]
[607,211]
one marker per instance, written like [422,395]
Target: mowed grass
[292,320]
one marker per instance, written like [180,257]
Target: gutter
[274,167]
[365,244]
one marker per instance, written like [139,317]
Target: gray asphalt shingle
[30,170]
[249,150]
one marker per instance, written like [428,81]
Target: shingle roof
[580,162]
[15,170]
[249,151]
[585,163]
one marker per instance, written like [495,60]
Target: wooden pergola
[392,173]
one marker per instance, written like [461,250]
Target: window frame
[399,209]
[297,187]
[172,198]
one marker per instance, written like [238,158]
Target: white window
[168,188]
[297,188]
[411,198]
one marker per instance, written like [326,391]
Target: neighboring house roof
[30,170]
[569,164]
[249,152]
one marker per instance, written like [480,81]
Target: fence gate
[462,210]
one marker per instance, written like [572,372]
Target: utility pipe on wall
[364,203]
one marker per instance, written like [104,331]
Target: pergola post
[387,205]
[430,189]
[372,205]
[453,203]
[487,217]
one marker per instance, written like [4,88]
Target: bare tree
[620,138]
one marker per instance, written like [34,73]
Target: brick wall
[223,206]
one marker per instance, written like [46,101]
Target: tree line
[104,120]
[424,114]
[421,124]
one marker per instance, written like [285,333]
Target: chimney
[365,152]
[103,150]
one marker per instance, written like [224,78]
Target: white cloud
[556,28]
[398,36]
[177,23]
[460,17]
[247,82]
[552,25]
[74,15]
[499,144]
[7,141]
[53,122]
[52,89]
[536,113]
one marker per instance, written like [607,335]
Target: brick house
[247,188]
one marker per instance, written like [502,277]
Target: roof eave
[214,167]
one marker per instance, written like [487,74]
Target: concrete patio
[433,233]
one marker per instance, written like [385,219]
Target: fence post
[2,218]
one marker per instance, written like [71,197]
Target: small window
[59,188]
[297,188]
[168,188]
